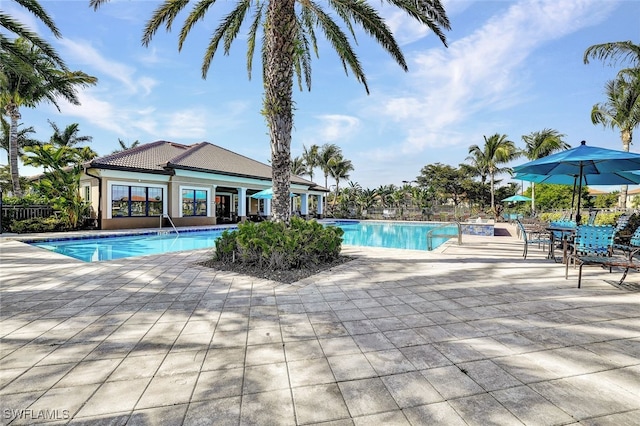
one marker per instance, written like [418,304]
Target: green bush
[274,245]
[37,224]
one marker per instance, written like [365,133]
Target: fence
[11,212]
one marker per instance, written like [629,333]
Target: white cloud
[84,53]
[336,127]
[482,72]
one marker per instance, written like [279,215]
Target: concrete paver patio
[467,335]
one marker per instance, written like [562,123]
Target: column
[304,204]
[320,205]
[214,207]
[242,203]
[267,207]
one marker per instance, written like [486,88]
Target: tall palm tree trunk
[278,106]
[625,135]
[14,114]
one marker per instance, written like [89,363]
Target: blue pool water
[369,234]
[410,236]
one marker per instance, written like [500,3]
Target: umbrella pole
[578,217]
[573,198]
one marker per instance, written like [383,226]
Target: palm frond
[165,14]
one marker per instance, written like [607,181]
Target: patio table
[566,233]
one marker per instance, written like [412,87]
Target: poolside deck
[468,335]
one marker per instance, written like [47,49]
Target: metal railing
[163,216]
[439,232]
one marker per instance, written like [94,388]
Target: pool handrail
[430,233]
[164,215]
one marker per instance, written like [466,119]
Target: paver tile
[168,390]
[411,389]
[530,407]
[351,367]
[114,397]
[367,396]
[273,407]
[310,372]
[308,410]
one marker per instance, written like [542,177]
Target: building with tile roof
[199,184]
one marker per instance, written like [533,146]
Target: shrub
[276,245]
[37,224]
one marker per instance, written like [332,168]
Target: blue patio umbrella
[516,198]
[267,194]
[581,165]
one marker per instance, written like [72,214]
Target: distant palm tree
[288,42]
[28,87]
[540,144]
[339,170]
[497,150]
[298,167]
[622,111]
[124,146]
[311,160]
[68,137]
[326,157]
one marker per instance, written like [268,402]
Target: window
[194,202]
[127,201]
[86,193]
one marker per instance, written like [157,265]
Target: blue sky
[512,67]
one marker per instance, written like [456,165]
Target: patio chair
[592,245]
[624,229]
[541,237]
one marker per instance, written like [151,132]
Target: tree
[497,150]
[540,144]
[288,40]
[621,108]
[622,111]
[624,51]
[27,86]
[24,136]
[326,158]
[124,146]
[61,180]
[12,48]
[297,166]
[339,170]
[311,160]
[445,180]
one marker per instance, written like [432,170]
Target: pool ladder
[163,216]
[440,232]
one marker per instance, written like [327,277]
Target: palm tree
[540,144]
[622,111]
[29,87]
[624,51]
[24,136]
[326,158]
[339,170]
[20,31]
[310,157]
[497,150]
[288,40]
[297,166]
[124,146]
[68,137]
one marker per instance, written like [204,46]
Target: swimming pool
[401,235]
[368,234]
